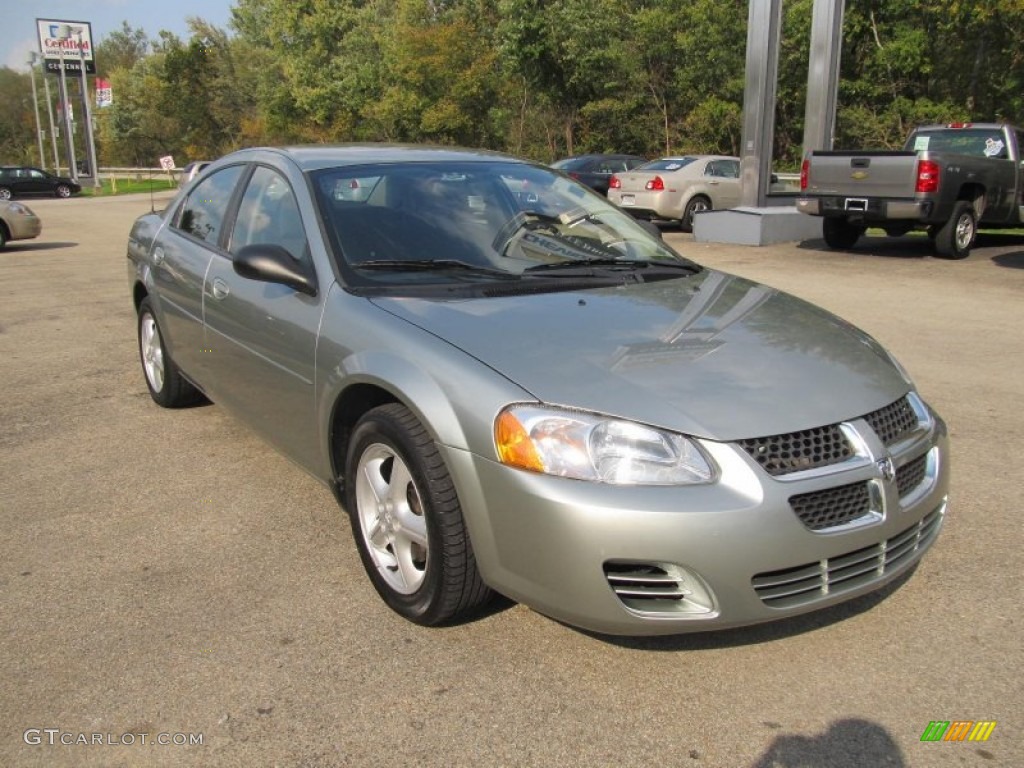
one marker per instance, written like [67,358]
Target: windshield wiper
[586,266]
[432,265]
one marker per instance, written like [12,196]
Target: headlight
[586,446]
[18,208]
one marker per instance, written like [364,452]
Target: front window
[473,223]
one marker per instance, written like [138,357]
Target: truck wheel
[955,238]
[840,234]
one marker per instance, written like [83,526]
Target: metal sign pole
[35,107]
[90,140]
[764,25]
[53,130]
[69,138]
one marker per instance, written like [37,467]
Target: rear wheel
[63,190]
[955,238]
[3,237]
[696,205]
[840,234]
[167,386]
[5,193]
[407,521]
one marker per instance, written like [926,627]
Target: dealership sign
[70,41]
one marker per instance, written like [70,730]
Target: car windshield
[667,164]
[428,223]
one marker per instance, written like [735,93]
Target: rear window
[979,142]
[667,164]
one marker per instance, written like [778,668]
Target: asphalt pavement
[167,577]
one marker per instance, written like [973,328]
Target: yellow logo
[859,175]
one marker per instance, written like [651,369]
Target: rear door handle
[220,289]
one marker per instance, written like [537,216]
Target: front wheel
[696,205]
[63,190]
[955,238]
[5,193]
[407,521]
[840,234]
[167,386]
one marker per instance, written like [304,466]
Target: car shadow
[848,743]
[22,245]
[879,246]
[758,633]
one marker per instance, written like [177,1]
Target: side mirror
[273,264]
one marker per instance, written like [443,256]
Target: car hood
[711,355]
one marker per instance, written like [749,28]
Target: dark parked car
[23,180]
[596,170]
[513,385]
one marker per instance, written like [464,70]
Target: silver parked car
[677,188]
[512,385]
[17,222]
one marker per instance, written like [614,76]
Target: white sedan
[676,188]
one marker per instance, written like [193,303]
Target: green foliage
[539,78]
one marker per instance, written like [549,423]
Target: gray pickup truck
[950,180]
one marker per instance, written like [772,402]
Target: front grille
[825,446]
[809,583]
[893,422]
[911,475]
[796,451]
[832,506]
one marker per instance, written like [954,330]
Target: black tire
[167,387]
[3,237]
[5,193]
[840,235]
[390,514]
[697,204]
[955,238]
[62,190]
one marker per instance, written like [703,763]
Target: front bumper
[649,560]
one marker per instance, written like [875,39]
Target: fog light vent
[658,588]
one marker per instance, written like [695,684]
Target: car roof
[316,157]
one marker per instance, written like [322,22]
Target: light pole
[90,140]
[35,106]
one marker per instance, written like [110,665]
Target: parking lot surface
[166,575]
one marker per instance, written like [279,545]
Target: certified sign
[67,41]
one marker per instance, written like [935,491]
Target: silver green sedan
[513,386]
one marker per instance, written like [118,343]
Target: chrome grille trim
[658,589]
[806,584]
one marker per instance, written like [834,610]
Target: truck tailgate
[862,174]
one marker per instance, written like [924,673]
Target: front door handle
[220,289]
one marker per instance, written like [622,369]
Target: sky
[18,20]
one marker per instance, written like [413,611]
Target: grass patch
[129,186]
